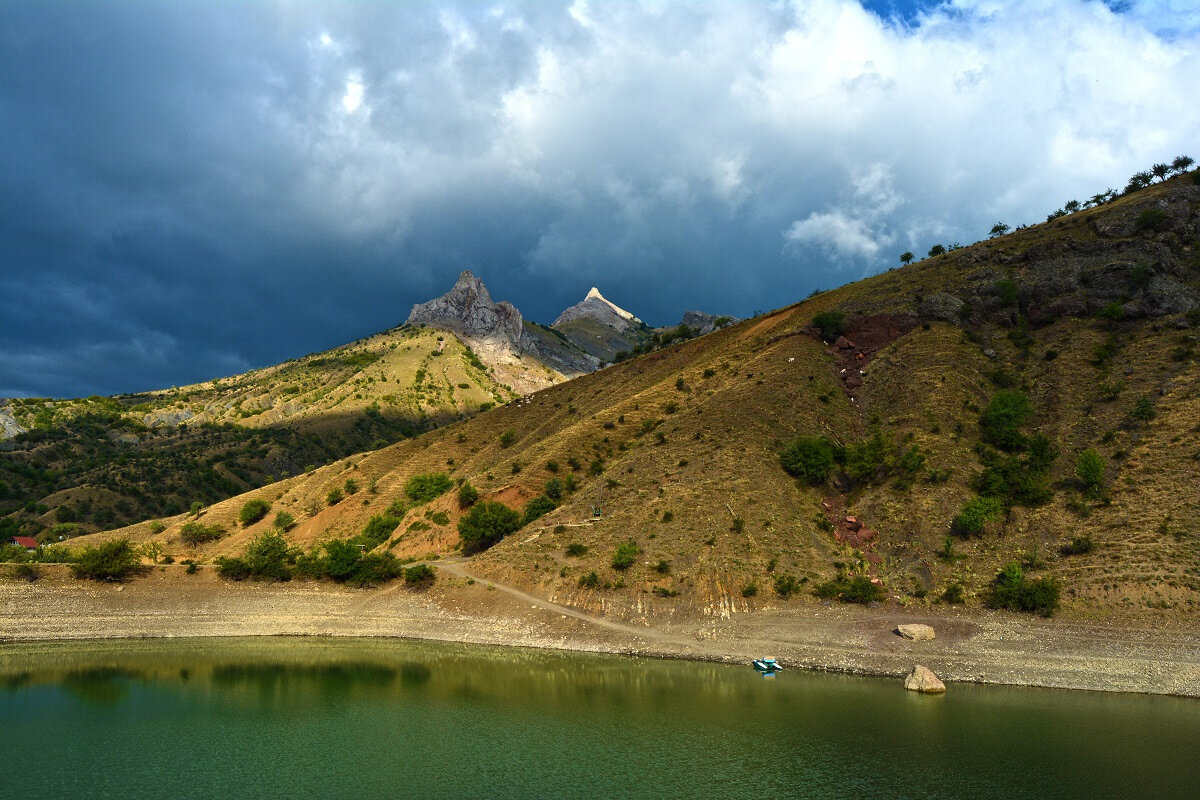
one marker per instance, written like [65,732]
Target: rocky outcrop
[916,632]
[922,680]
[469,310]
[596,307]
[497,331]
[703,323]
[9,427]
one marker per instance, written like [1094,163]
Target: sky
[192,189]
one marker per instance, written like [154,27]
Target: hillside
[97,461]
[1090,318]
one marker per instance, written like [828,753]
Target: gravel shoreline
[971,645]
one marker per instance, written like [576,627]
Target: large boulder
[924,681]
[916,632]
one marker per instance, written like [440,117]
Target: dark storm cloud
[191,189]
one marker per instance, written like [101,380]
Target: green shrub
[858,589]
[487,523]
[831,323]
[351,486]
[1012,590]
[1001,421]
[1151,218]
[507,438]
[537,507]
[589,581]
[253,511]
[954,594]
[786,585]
[334,496]
[1078,546]
[1143,410]
[26,572]
[749,590]
[266,557]
[975,514]
[234,569]
[423,488]
[575,549]
[1090,468]
[809,458]
[196,533]
[419,575]
[284,521]
[377,531]
[467,495]
[626,555]
[663,591]
[439,518]
[192,568]
[554,489]
[663,567]
[373,569]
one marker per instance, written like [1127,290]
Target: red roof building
[28,542]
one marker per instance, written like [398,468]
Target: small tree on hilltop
[906,257]
[937,250]
[1161,171]
[999,229]
[1182,164]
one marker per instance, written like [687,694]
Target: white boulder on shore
[922,680]
[916,631]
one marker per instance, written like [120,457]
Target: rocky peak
[468,309]
[596,307]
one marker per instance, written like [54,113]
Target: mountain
[601,328]
[83,464]
[1030,400]
[501,336]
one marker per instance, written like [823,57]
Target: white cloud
[841,236]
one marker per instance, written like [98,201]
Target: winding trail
[455,567]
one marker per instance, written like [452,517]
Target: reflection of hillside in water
[272,672]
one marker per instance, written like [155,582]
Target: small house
[28,542]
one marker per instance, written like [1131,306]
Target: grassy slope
[115,459]
[770,380]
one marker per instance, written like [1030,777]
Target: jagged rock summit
[468,309]
[596,307]
[498,333]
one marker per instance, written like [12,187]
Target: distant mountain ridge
[583,338]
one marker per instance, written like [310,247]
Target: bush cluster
[109,561]
[487,523]
[858,589]
[1012,590]
[423,488]
[626,555]
[253,511]
[976,513]
[197,533]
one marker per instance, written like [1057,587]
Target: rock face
[916,632]
[704,323]
[923,681]
[9,427]
[497,331]
[468,309]
[596,307]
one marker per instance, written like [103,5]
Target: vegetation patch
[423,488]
[1012,590]
[253,511]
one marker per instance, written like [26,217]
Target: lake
[331,718]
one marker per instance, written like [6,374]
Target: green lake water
[300,718]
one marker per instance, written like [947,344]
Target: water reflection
[426,719]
